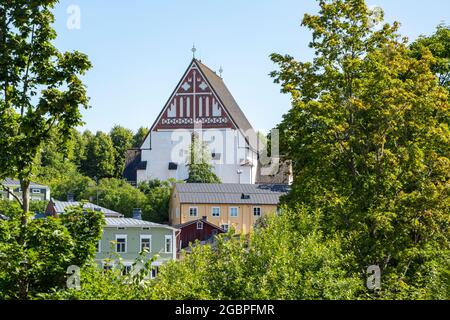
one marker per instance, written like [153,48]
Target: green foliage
[122,140]
[138,138]
[63,178]
[439,45]
[114,284]
[287,259]
[51,245]
[369,136]
[100,157]
[117,195]
[40,87]
[158,193]
[199,163]
[85,228]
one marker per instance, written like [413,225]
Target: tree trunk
[23,279]
[25,185]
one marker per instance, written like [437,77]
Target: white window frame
[212,212]
[168,237]
[36,191]
[260,212]
[227,228]
[237,212]
[125,266]
[122,236]
[145,237]
[155,270]
[200,223]
[196,212]
[99,246]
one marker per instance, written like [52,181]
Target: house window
[35,190]
[155,271]
[193,212]
[99,246]
[126,269]
[146,243]
[168,244]
[257,211]
[225,227]
[121,243]
[215,212]
[234,212]
[199,225]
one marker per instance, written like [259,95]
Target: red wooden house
[200,230]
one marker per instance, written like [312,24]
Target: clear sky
[141,48]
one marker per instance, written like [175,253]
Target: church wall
[173,146]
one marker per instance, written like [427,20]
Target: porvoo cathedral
[201,104]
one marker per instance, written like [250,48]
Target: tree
[439,45]
[200,168]
[40,87]
[117,195]
[100,157]
[138,138]
[158,192]
[51,246]
[288,259]
[58,170]
[122,140]
[40,91]
[368,132]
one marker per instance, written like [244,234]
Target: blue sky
[140,49]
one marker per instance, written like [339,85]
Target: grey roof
[16,183]
[60,207]
[129,223]
[226,97]
[231,193]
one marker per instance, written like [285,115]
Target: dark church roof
[133,163]
[219,87]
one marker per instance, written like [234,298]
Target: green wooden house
[37,192]
[127,238]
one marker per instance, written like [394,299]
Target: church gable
[194,100]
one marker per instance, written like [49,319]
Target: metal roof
[231,193]
[227,98]
[129,223]
[60,207]
[181,226]
[12,182]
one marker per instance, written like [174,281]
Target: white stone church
[200,104]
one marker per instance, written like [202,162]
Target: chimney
[70,197]
[137,214]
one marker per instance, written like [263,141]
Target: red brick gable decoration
[194,100]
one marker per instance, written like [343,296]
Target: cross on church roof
[194,50]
